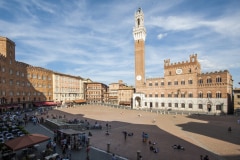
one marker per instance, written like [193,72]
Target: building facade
[120,94]
[236,98]
[96,92]
[67,89]
[184,87]
[21,85]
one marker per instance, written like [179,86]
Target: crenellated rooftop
[192,59]
[216,72]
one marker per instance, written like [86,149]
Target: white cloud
[162,35]
[94,39]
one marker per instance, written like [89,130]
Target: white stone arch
[188,103]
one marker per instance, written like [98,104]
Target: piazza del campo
[184,115]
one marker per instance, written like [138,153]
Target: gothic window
[200,81]
[190,105]
[183,105]
[175,95]
[150,95]
[162,83]
[156,95]
[176,105]
[162,104]
[169,95]
[182,95]
[190,81]
[218,107]
[218,95]
[189,70]
[218,79]
[169,83]
[209,95]
[162,95]
[209,80]
[200,95]
[156,83]
[183,82]
[175,82]
[138,22]
[190,95]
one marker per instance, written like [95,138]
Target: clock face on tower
[179,71]
[138,77]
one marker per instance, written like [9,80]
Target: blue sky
[93,38]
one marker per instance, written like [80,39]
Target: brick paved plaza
[198,134]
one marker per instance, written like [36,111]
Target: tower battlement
[192,59]
[216,72]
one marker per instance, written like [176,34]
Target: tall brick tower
[139,35]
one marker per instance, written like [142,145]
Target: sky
[94,38]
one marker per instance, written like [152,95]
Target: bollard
[138,155]
[108,147]
[88,143]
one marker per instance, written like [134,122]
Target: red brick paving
[199,135]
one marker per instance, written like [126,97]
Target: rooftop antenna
[140,4]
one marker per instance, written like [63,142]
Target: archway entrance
[137,102]
[209,107]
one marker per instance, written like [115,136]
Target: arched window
[162,83]
[218,94]
[190,81]
[190,95]
[209,95]
[182,82]
[176,105]
[138,21]
[218,79]
[183,105]
[169,104]
[209,80]
[200,95]
[200,81]
[189,70]
[190,105]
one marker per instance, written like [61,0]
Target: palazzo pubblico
[184,87]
